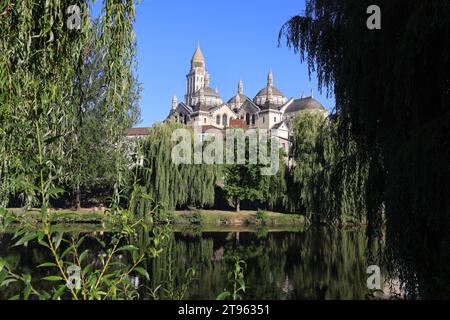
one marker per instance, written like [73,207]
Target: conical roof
[198,55]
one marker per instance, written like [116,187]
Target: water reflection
[318,263]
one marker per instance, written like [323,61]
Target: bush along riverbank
[186,217]
[179,217]
[246,217]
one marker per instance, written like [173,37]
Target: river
[317,263]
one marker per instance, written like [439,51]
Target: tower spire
[198,57]
[270,78]
[240,87]
[174,102]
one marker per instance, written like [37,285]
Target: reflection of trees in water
[318,264]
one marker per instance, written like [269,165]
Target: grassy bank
[242,218]
[63,216]
[194,217]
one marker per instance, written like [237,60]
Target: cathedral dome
[263,92]
[277,96]
[270,93]
[302,104]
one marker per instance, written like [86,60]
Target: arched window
[217,119]
[247,119]
[253,119]
[225,120]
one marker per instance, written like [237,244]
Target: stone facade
[269,109]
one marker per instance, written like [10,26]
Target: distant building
[136,132]
[269,109]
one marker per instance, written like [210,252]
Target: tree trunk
[77,199]
[238,205]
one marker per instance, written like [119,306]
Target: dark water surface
[318,263]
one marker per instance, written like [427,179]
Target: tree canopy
[42,89]
[392,91]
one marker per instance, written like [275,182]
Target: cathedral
[269,109]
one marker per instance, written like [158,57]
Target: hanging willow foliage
[326,178]
[40,59]
[172,185]
[392,95]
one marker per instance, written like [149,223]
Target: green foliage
[261,216]
[97,153]
[394,116]
[109,279]
[41,89]
[306,128]
[237,279]
[331,176]
[244,182]
[172,184]
[195,217]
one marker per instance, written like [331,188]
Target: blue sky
[239,39]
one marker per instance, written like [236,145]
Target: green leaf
[143,272]
[47,264]
[59,292]
[2,263]
[7,282]
[127,248]
[55,191]
[52,278]
[25,239]
[223,295]
[57,240]
[3,275]
[80,241]
[83,255]
[66,252]
[26,278]
[26,291]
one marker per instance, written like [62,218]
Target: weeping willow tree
[169,184]
[392,90]
[306,128]
[339,183]
[325,180]
[42,46]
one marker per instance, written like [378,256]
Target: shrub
[261,216]
[195,217]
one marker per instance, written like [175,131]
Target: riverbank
[179,217]
[241,218]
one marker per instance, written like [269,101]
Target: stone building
[269,109]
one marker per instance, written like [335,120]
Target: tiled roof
[207,127]
[238,123]
[136,131]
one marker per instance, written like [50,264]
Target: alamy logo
[74,279]
[374,20]
[208,148]
[74,19]
[374,279]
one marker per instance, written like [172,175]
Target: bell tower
[197,77]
